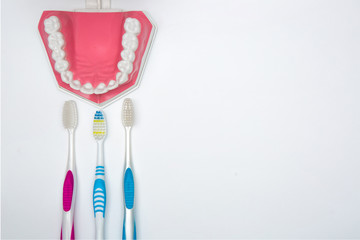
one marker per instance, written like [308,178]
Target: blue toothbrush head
[99,126]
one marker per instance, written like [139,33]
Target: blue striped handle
[99,193]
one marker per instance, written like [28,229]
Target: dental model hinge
[98,4]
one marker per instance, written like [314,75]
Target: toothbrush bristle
[127,113]
[70,117]
[99,126]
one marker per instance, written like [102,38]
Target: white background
[247,124]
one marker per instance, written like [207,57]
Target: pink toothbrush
[69,190]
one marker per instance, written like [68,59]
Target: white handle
[129,225]
[99,223]
[67,228]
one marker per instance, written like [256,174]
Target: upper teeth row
[130,43]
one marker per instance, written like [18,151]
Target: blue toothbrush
[99,194]
[129,230]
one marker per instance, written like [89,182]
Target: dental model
[56,43]
[97,56]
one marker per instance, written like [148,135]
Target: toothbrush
[129,230]
[70,119]
[99,194]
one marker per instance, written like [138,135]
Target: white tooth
[67,76]
[87,88]
[58,54]
[101,88]
[122,78]
[56,40]
[52,24]
[128,55]
[130,41]
[75,84]
[112,84]
[125,66]
[132,25]
[61,65]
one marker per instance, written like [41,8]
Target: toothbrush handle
[129,229]
[99,201]
[67,227]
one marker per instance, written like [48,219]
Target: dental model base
[99,193]
[70,119]
[129,230]
[97,56]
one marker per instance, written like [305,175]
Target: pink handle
[68,191]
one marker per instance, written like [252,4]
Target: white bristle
[99,126]
[70,117]
[127,113]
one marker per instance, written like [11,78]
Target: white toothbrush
[99,194]
[129,230]
[70,119]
